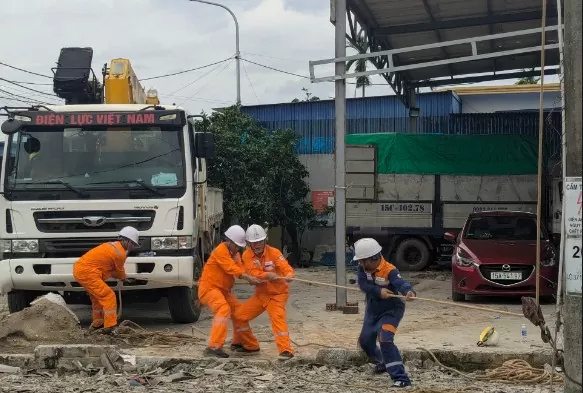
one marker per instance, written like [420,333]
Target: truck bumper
[56,274]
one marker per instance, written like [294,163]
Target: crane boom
[122,86]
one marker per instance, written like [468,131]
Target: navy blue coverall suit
[382,316]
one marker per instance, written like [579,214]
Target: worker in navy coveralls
[379,279]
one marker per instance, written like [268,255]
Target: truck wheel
[183,304]
[183,301]
[457,297]
[412,255]
[19,300]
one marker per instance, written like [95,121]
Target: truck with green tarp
[407,190]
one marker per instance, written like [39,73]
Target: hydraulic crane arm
[122,86]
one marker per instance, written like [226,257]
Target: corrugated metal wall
[522,123]
[439,113]
[314,121]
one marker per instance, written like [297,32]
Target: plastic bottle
[523,334]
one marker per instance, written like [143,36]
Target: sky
[165,36]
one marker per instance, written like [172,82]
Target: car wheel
[412,255]
[457,297]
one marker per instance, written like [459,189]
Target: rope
[487,309]
[514,371]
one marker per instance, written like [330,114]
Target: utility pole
[237,52]
[573,96]
[339,15]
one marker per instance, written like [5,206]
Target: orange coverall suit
[91,270]
[271,295]
[215,291]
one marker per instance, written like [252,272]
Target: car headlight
[464,261]
[5,246]
[23,246]
[172,243]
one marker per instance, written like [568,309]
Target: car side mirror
[450,237]
[11,126]
[205,145]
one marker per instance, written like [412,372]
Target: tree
[309,97]
[360,65]
[261,175]
[528,80]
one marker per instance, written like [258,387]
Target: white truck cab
[74,175]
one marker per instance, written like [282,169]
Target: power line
[275,69]
[203,86]
[23,70]
[250,84]
[302,76]
[32,100]
[186,71]
[27,88]
[33,83]
[196,80]
[272,57]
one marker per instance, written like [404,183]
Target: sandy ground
[429,325]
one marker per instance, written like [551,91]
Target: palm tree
[360,46]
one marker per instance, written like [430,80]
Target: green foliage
[528,80]
[262,178]
[309,97]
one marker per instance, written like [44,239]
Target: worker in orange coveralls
[215,291]
[97,265]
[268,264]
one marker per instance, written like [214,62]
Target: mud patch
[42,323]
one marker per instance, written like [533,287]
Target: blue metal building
[314,121]
[438,113]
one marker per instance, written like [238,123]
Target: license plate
[505,276]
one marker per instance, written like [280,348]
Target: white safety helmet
[489,337]
[366,248]
[236,234]
[131,234]
[255,233]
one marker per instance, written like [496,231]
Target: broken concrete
[55,356]
[461,360]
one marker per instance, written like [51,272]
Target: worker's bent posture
[379,279]
[97,265]
[215,291]
[269,265]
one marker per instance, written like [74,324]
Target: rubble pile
[206,375]
[43,322]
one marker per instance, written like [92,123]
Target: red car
[495,254]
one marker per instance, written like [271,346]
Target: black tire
[412,255]
[183,301]
[457,297]
[183,304]
[19,300]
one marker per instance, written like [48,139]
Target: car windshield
[502,228]
[97,157]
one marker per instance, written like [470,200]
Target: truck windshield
[146,158]
[502,228]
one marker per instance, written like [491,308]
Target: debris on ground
[205,375]
[43,322]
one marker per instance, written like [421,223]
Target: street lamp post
[237,53]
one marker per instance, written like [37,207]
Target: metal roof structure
[419,43]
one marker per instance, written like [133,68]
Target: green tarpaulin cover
[479,155]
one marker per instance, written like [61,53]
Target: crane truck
[73,175]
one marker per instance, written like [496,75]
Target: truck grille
[83,221]
[506,274]
[63,248]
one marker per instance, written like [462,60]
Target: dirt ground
[429,325]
